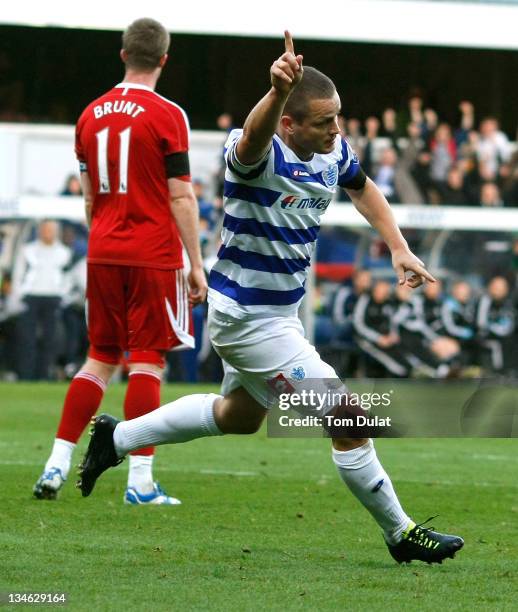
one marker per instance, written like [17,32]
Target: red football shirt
[123,137]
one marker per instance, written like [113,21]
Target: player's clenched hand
[286,71]
[405,261]
[197,286]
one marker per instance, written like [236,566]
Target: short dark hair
[145,42]
[314,85]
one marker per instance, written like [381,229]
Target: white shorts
[265,354]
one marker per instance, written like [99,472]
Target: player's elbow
[183,202]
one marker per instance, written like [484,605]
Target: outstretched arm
[261,123]
[371,203]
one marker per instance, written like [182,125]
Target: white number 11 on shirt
[102,160]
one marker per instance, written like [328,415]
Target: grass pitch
[265,524]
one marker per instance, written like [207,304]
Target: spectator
[417,172]
[353,127]
[430,304]
[431,122]
[496,323]
[72,186]
[427,306]
[75,237]
[386,173]
[225,122]
[352,132]
[453,191]
[466,123]
[40,283]
[413,113]
[490,195]
[458,319]
[375,332]
[416,336]
[74,320]
[368,157]
[443,155]
[389,126]
[345,300]
[493,149]
[468,165]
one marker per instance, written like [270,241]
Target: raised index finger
[424,272]
[288,42]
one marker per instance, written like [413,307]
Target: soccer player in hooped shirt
[132,146]
[282,170]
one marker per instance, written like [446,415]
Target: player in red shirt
[132,146]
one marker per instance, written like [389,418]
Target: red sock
[82,400]
[142,396]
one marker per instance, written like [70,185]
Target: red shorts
[141,310]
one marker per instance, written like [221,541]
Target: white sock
[185,419]
[362,472]
[140,474]
[61,456]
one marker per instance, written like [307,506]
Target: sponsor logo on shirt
[296,202]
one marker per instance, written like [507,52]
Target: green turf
[265,524]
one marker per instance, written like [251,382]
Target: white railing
[36,159]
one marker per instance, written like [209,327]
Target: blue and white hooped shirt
[272,218]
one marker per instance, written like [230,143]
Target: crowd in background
[366,327]
[416,158]
[43,333]
[42,305]
[363,326]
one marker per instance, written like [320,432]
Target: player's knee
[101,369]
[233,418]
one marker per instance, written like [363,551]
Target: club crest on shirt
[298,373]
[330,175]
